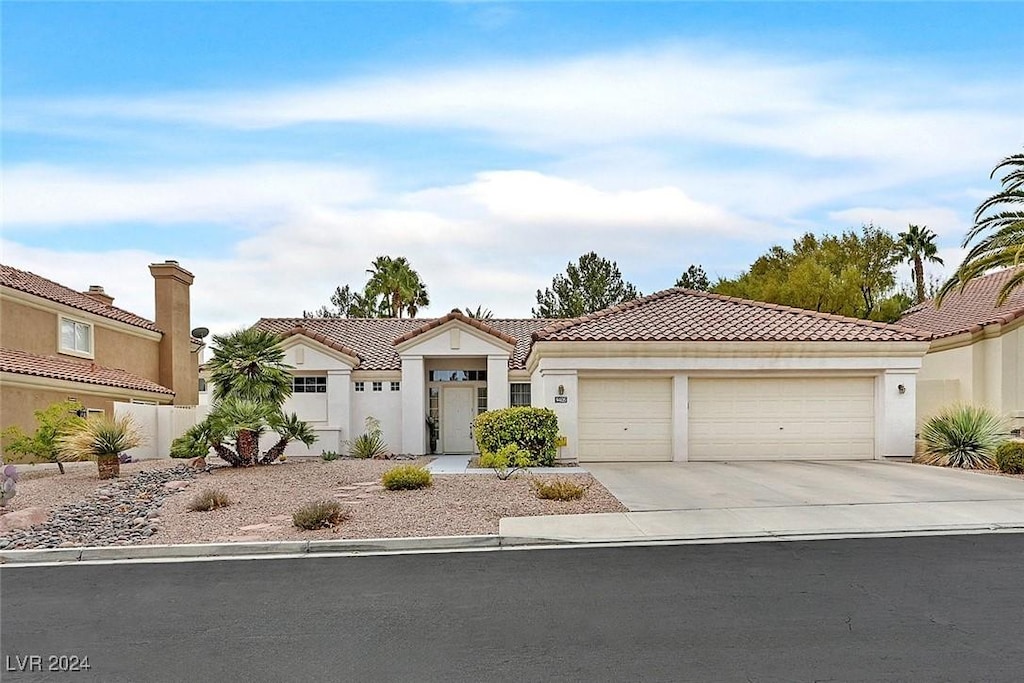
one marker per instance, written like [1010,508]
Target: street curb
[269,548]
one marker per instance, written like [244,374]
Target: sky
[274,149]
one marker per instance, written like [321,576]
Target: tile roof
[462,317]
[969,310]
[372,339]
[320,337]
[30,283]
[73,370]
[687,315]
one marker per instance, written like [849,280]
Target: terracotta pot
[109,466]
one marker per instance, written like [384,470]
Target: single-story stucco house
[677,375]
[977,353]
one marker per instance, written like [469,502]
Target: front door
[456,419]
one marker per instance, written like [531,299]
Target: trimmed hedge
[534,430]
[1010,457]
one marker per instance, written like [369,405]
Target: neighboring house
[977,353]
[678,375]
[57,343]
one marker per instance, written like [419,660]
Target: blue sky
[275,149]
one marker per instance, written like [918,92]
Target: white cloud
[39,195]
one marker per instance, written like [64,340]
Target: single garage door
[625,419]
[782,419]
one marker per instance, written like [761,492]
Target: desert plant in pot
[102,440]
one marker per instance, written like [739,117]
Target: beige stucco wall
[986,368]
[17,405]
[26,328]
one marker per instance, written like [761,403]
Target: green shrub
[534,430]
[964,436]
[371,444]
[506,461]
[558,489]
[1010,457]
[406,477]
[194,443]
[208,499]
[320,514]
[328,456]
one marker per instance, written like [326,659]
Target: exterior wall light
[902,389]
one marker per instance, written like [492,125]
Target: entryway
[458,407]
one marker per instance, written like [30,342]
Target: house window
[309,385]
[458,375]
[481,400]
[75,337]
[396,386]
[360,386]
[202,385]
[519,394]
[94,413]
[378,386]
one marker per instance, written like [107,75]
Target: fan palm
[480,313]
[399,286]
[249,364]
[289,428]
[999,223]
[239,422]
[917,245]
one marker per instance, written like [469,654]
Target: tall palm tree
[480,313]
[398,284]
[249,364]
[917,245]
[999,223]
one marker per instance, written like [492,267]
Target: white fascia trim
[12,379]
[410,344]
[309,342]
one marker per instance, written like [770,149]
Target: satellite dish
[200,333]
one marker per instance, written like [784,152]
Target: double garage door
[779,418]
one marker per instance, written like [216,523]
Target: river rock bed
[122,512]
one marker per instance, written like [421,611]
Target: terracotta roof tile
[320,337]
[687,315]
[73,370]
[30,283]
[456,315]
[969,310]
[371,339]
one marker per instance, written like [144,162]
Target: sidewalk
[771,522]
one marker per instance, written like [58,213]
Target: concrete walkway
[459,464]
[690,501]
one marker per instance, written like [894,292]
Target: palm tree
[480,313]
[239,422]
[1001,222]
[250,364]
[289,428]
[917,245]
[398,284]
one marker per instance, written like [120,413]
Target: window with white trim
[519,394]
[481,400]
[360,386]
[378,386]
[75,337]
[202,385]
[396,386]
[316,384]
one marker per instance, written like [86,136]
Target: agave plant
[289,428]
[964,436]
[102,440]
[370,444]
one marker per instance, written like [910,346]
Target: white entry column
[414,406]
[497,382]
[339,406]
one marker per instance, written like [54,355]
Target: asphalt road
[913,609]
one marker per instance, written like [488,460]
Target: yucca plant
[370,444]
[964,436]
[102,440]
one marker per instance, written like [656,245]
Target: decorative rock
[23,519]
[364,483]
[177,485]
[258,527]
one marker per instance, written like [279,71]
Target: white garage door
[782,419]
[625,419]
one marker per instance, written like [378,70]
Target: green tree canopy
[53,423]
[480,313]
[587,286]
[999,231]
[694,278]
[917,245]
[852,274]
[394,289]
[249,364]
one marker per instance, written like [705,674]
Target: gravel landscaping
[140,509]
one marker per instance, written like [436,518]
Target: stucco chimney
[96,292]
[179,367]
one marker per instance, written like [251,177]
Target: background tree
[917,245]
[852,274]
[393,290]
[52,424]
[587,286]
[694,278]
[999,229]
[480,313]
[346,303]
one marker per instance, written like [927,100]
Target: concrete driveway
[699,502]
[716,485]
